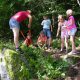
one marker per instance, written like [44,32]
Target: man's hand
[29,25]
[51,30]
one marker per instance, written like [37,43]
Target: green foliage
[77,41]
[56,43]
[33,64]
[38,7]
[16,68]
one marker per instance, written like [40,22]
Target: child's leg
[72,39]
[49,41]
[49,38]
[73,43]
[16,36]
[66,43]
[62,44]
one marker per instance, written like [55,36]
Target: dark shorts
[47,33]
[13,23]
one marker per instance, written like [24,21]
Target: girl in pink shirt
[15,24]
[64,33]
[71,26]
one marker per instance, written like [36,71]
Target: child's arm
[39,40]
[58,30]
[42,23]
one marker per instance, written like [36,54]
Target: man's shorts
[47,33]
[13,23]
[72,32]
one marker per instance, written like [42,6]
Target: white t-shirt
[46,24]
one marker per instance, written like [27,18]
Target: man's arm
[30,21]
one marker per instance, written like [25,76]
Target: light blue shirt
[46,24]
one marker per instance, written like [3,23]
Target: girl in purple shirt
[71,26]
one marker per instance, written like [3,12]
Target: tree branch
[78,1]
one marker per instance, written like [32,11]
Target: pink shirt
[20,16]
[73,25]
[63,26]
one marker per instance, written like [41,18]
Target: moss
[15,66]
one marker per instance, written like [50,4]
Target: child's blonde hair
[59,17]
[69,12]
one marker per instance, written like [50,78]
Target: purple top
[71,25]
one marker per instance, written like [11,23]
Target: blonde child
[64,33]
[71,26]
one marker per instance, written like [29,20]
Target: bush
[16,67]
[32,64]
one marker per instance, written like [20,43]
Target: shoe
[48,50]
[73,52]
[66,50]
[61,50]
[17,49]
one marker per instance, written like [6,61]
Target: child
[64,33]
[71,28]
[47,28]
[41,39]
[28,40]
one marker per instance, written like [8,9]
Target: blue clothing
[46,24]
[72,32]
[13,23]
[47,33]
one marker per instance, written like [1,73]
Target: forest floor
[54,53]
[57,54]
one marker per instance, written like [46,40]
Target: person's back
[14,24]
[20,16]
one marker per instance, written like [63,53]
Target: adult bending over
[14,23]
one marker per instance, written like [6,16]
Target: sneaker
[66,50]
[17,49]
[61,50]
[45,48]
[48,50]
[73,53]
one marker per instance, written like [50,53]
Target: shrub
[32,64]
